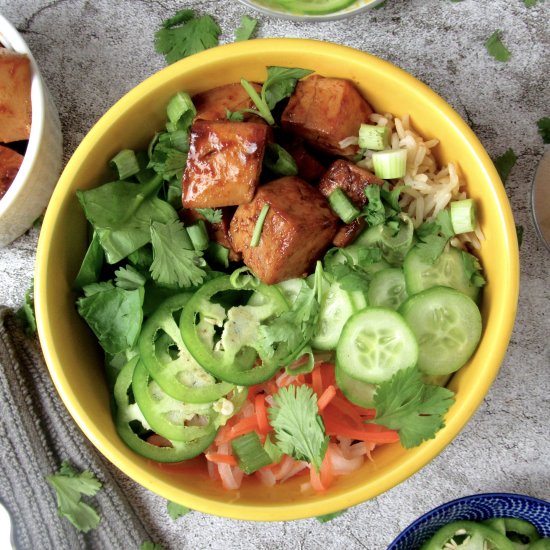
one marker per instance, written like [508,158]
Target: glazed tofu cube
[213,104]
[15,96]
[10,162]
[223,164]
[348,233]
[309,168]
[298,228]
[218,232]
[325,111]
[350,178]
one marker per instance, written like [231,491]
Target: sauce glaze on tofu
[325,111]
[298,228]
[223,164]
[225,169]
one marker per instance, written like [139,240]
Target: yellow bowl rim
[331,503]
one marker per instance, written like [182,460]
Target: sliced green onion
[255,241]
[390,164]
[198,235]
[261,105]
[342,206]
[218,254]
[250,453]
[463,216]
[180,104]
[375,138]
[125,163]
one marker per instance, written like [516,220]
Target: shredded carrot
[317,381]
[326,472]
[315,480]
[329,376]
[326,397]
[244,426]
[335,427]
[221,459]
[261,414]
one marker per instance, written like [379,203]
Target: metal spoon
[6,530]
[540,199]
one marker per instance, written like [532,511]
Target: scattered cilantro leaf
[186,34]
[246,29]
[279,160]
[472,269]
[415,409]
[530,3]
[505,163]
[496,48]
[69,486]
[374,211]
[279,84]
[234,116]
[519,233]
[210,214]
[443,219]
[26,311]
[328,517]
[544,129]
[92,264]
[431,247]
[148,545]
[173,263]
[129,278]
[299,428]
[176,510]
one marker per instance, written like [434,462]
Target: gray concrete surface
[91,53]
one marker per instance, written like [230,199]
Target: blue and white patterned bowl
[476,508]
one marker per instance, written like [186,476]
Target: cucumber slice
[375,344]
[447,270]
[447,325]
[360,393]
[388,289]
[336,308]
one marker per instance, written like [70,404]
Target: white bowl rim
[11,39]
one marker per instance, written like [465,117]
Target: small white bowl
[28,195]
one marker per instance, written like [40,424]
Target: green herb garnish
[246,29]
[505,163]
[496,48]
[70,486]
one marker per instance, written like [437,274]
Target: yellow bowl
[73,357]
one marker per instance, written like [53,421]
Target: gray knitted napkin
[36,436]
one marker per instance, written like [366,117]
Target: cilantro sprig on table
[496,48]
[70,486]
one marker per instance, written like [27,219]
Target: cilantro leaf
[299,428]
[472,269]
[246,28]
[185,34]
[530,3]
[431,247]
[210,214]
[92,264]
[173,263]
[328,517]
[129,278]
[374,211]
[69,486]
[26,311]
[280,83]
[496,48]
[519,234]
[415,409]
[234,116]
[505,163]
[176,510]
[544,129]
